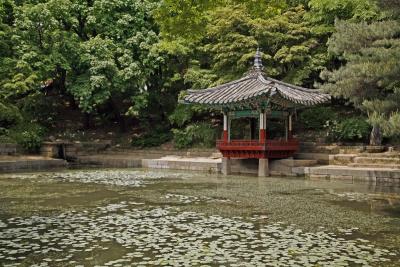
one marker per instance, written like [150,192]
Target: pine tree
[369,77]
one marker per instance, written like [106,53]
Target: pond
[163,218]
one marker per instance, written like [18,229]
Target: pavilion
[257,96]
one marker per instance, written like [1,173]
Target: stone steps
[376,160]
[352,174]
[318,148]
[381,155]
[390,166]
[342,159]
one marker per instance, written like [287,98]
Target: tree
[291,50]
[369,77]
[101,52]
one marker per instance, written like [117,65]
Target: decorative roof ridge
[258,60]
[308,90]
[218,87]
[295,90]
[255,84]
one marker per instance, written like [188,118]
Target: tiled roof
[252,87]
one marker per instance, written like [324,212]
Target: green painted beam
[274,114]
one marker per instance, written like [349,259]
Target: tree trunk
[87,121]
[117,116]
[376,136]
[122,123]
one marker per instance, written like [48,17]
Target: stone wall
[22,164]
[8,149]
[352,174]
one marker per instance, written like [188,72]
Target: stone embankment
[314,161]
[355,163]
[194,159]
[12,161]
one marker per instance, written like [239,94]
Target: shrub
[29,136]
[40,109]
[182,139]
[352,129]
[198,135]
[316,118]
[154,138]
[9,115]
[181,115]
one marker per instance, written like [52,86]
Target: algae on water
[175,218]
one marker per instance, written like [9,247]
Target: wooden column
[263,124]
[290,127]
[286,129]
[229,129]
[226,128]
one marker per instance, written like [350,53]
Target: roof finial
[257,60]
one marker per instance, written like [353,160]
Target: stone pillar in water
[263,168]
[226,166]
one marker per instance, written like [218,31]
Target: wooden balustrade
[257,149]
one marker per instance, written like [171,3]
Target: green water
[154,218]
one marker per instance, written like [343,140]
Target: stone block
[321,158]
[375,149]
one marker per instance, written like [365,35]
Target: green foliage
[182,139]
[152,138]
[9,115]
[390,126]
[117,62]
[40,109]
[222,36]
[327,11]
[195,135]
[352,129]
[315,118]
[182,115]
[176,17]
[134,57]
[98,51]
[29,136]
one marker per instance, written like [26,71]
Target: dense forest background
[118,66]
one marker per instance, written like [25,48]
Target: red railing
[257,149]
[239,142]
[267,143]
